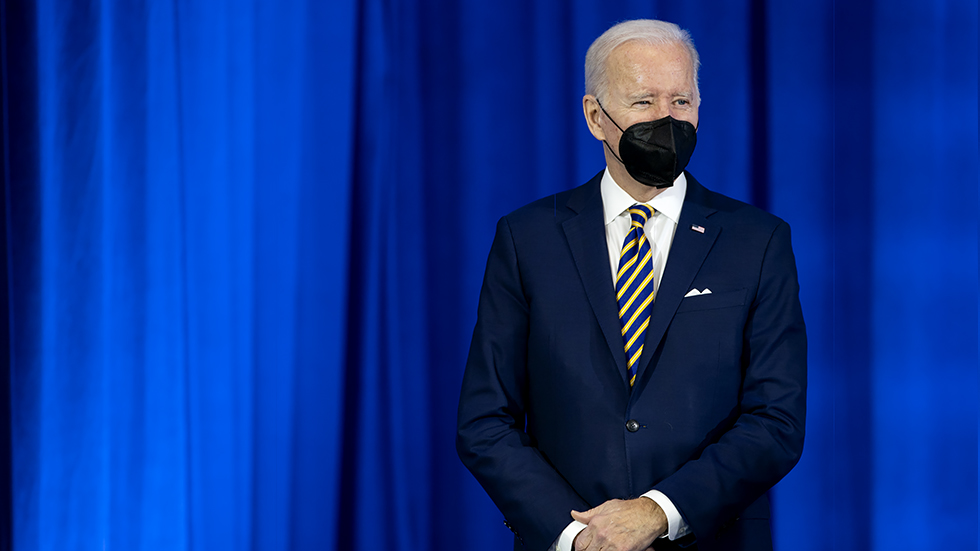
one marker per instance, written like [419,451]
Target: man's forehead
[640,68]
[629,51]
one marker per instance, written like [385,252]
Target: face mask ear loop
[607,114]
[617,126]
[613,153]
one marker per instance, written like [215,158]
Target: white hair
[648,31]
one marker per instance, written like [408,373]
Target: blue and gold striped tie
[634,286]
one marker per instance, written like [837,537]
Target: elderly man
[637,376]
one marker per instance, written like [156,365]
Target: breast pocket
[703,345]
[713,301]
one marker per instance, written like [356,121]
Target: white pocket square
[696,293]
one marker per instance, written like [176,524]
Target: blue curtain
[244,243]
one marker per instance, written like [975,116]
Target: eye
[642,102]
[682,102]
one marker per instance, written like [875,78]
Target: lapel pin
[697,228]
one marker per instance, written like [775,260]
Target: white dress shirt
[660,233]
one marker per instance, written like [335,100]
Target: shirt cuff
[567,538]
[676,526]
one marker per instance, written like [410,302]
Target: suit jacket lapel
[687,254]
[586,234]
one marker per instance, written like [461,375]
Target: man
[637,375]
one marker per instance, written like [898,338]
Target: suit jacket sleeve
[766,439]
[491,437]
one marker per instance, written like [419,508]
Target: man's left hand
[619,525]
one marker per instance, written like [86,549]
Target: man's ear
[590,107]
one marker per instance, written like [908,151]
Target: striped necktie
[634,286]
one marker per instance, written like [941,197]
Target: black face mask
[656,152]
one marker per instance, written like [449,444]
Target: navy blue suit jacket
[720,393]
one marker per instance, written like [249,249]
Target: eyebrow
[643,95]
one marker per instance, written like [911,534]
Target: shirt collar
[616,201]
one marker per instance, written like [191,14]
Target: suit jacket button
[632,425]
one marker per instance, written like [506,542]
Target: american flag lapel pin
[697,228]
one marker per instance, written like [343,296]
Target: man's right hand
[618,525]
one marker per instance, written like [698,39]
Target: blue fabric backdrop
[244,243]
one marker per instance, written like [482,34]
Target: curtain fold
[245,242]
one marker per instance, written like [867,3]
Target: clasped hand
[620,525]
